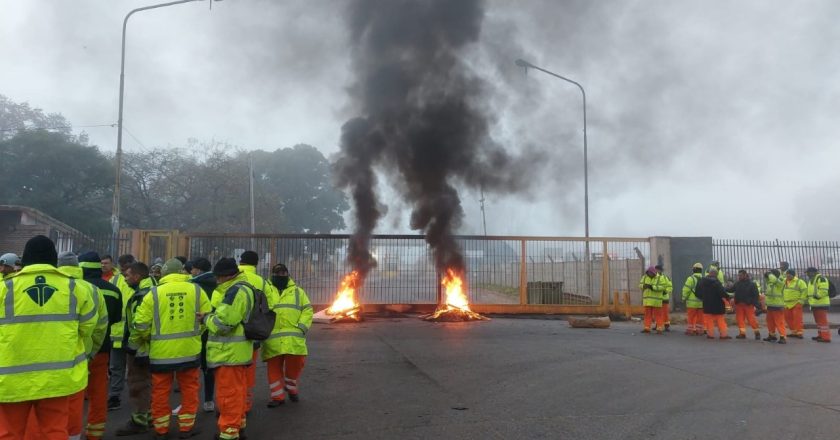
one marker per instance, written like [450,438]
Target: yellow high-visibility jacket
[294,318]
[689,292]
[226,341]
[794,291]
[45,328]
[651,297]
[167,318]
[127,291]
[101,329]
[818,292]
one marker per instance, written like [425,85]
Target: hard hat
[9,259]
[697,266]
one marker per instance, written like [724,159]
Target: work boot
[708,336]
[782,340]
[770,338]
[131,428]
[667,327]
[757,336]
[741,336]
[189,434]
[647,330]
[820,339]
[797,336]
[114,403]
[294,397]
[275,403]
[726,337]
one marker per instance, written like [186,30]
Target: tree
[59,176]
[16,117]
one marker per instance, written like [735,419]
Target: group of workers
[708,298]
[73,329]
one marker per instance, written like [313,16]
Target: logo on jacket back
[41,292]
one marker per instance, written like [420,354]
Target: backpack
[259,324]
[832,289]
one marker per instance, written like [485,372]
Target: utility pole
[251,190]
[483,217]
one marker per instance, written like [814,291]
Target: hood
[71,271]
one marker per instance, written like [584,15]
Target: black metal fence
[501,270]
[759,256]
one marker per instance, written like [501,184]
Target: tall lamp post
[115,211]
[526,65]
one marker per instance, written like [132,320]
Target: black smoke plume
[422,120]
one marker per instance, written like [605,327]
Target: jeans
[117,371]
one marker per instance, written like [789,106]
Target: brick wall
[14,239]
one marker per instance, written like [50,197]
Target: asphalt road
[538,378]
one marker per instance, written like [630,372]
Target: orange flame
[345,304]
[453,286]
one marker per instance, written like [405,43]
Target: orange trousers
[696,321]
[745,312]
[251,378]
[162,389]
[284,374]
[52,415]
[97,392]
[76,414]
[793,318]
[654,313]
[776,322]
[713,321]
[231,391]
[821,317]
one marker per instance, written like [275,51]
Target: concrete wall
[684,252]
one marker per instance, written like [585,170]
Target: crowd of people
[708,298]
[75,328]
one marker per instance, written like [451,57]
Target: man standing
[248,265]
[820,302]
[45,371]
[693,304]
[229,353]
[8,263]
[169,319]
[746,300]
[285,350]
[666,296]
[652,291]
[711,291]
[795,293]
[139,377]
[775,306]
[200,269]
[117,362]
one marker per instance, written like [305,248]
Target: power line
[57,127]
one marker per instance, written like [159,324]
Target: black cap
[250,258]
[39,250]
[280,268]
[225,267]
[89,257]
[188,266]
[202,264]
[791,272]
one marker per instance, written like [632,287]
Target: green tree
[52,172]
[16,117]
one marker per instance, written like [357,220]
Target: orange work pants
[696,323]
[52,415]
[666,314]
[793,318]
[284,374]
[821,317]
[76,414]
[776,322]
[97,392]
[231,383]
[161,390]
[713,321]
[745,312]
[654,313]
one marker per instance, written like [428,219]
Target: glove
[648,286]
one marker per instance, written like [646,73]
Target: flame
[456,305]
[345,305]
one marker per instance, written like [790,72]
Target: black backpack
[832,289]
[259,323]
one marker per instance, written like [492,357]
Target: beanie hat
[225,267]
[250,258]
[39,250]
[651,270]
[9,259]
[202,264]
[90,260]
[68,259]
[172,265]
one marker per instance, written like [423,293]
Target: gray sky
[705,118]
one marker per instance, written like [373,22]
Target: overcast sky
[707,118]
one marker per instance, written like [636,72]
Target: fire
[345,306]
[455,306]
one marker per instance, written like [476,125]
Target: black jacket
[113,302]
[745,292]
[711,291]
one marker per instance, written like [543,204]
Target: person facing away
[746,300]
[714,297]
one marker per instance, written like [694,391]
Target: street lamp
[526,65]
[115,212]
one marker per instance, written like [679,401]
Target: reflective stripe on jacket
[167,318]
[794,291]
[651,297]
[100,332]
[133,344]
[127,292]
[689,292]
[46,323]
[226,342]
[669,287]
[294,318]
[818,292]
[773,293]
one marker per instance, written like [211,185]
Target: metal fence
[101,243]
[757,257]
[500,270]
